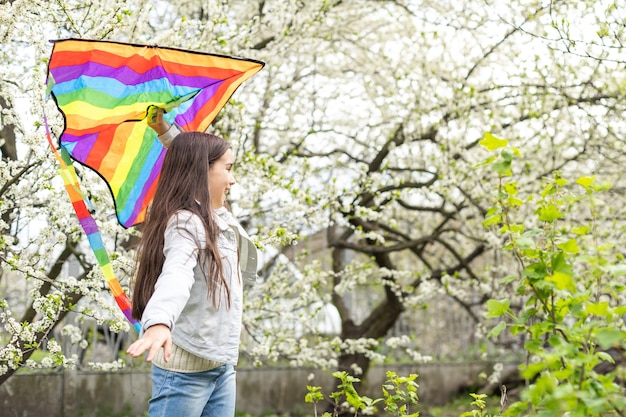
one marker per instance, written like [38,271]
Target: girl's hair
[183,185]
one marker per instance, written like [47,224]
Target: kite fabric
[87,222]
[104,90]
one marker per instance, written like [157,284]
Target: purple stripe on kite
[82,145]
[89,225]
[199,102]
[135,323]
[197,81]
[128,76]
[67,138]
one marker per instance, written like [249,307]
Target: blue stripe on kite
[117,89]
[95,241]
[69,146]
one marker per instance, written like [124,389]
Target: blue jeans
[196,394]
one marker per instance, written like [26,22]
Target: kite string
[87,222]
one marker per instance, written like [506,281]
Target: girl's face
[221,179]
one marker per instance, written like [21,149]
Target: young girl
[188,290]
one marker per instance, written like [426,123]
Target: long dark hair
[183,185]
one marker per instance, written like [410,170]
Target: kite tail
[81,203]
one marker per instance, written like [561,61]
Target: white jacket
[181,300]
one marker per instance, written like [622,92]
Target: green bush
[399,396]
[567,300]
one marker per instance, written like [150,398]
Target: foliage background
[359,166]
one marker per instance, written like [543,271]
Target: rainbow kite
[104,90]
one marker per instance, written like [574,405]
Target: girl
[188,290]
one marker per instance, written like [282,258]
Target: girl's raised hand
[156,121]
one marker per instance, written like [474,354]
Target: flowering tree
[363,127]
[378,127]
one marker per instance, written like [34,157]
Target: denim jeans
[196,394]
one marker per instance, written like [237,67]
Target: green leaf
[562,281]
[605,357]
[525,242]
[516,329]
[549,213]
[487,161]
[536,271]
[561,346]
[581,230]
[491,220]
[585,181]
[491,143]
[571,246]
[561,182]
[597,309]
[527,314]
[532,369]
[514,202]
[497,308]
[508,279]
[533,345]
[559,263]
[506,155]
[502,168]
[516,228]
[495,332]
[608,337]
[510,188]
[548,190]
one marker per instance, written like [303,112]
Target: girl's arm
[173,287]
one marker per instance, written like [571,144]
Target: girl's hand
[156,121]
[154,338]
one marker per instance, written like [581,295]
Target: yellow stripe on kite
[124,160]
[81,114]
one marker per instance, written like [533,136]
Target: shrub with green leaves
[399,395]
[568,293]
